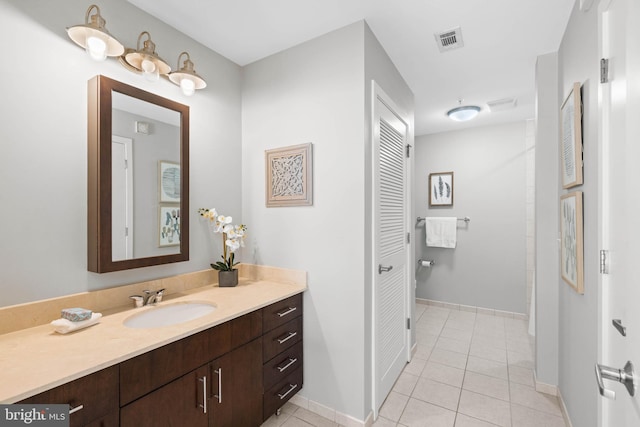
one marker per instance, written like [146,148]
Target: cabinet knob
[287,311]
[76,409]
[203,405]
[291,388]
[219,395]
[287,338]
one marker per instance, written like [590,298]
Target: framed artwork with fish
[441,189]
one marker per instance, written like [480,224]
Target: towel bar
[465,219]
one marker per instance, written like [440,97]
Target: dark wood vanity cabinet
[92,400]
[282,353]
[207,379]
[236,389]
[236,374]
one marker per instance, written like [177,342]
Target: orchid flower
[232,237]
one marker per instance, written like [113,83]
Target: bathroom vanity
[236,372]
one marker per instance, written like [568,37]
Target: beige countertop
[36,359]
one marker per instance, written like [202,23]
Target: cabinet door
[182,402]
[236,387]
[92,396]
[149,371]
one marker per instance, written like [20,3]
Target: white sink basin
[167,315]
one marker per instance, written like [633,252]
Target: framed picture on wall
[441,189]
[289,176]
[571,244]
[169,181]
[571,138]
[168,225]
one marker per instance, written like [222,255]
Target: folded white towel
[441,232]
[64,326]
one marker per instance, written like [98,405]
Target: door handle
[625,376]
[617,323]
[382,269]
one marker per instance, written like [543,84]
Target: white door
[121,198]
[620,205]
[390,311]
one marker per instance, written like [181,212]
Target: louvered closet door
[390,293]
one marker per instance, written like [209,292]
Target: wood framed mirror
[138,178]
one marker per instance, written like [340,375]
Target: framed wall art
[441,189]
[168,225]
[571,240]
[571,138]
[169,181]
[289,176]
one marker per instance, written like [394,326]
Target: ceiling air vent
[502,104]
[449,40]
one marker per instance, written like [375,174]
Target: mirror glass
[140,144]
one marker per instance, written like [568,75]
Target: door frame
[128,147]
[377,93]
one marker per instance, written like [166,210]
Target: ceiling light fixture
[186,77]
[147,60]
[463,112]
[94,37]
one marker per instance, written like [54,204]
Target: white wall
[578,61]
[44,144]
[547,217]
[488,267]
[315,93]
[318,92]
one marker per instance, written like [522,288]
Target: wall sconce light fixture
[94,37]
[146,59]
[186,77]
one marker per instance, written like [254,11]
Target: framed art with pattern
[289,176]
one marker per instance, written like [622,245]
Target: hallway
[470,370]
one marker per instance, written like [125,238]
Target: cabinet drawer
[282,365]
[279,394]
[96,393]
[281,338]
[281,312]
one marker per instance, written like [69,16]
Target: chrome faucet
[150,297]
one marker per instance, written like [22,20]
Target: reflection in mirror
[145,179]
[138,177]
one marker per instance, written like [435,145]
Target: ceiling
[502,39]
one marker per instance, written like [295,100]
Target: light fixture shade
[186,77]
[139,58]
[94,27]
[463,113]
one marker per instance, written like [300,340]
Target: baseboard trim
[563,408]
[554,391]
[473,309]
[546,388]
[330,413]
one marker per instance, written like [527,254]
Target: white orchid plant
[232,237]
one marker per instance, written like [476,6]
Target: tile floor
[470,370]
